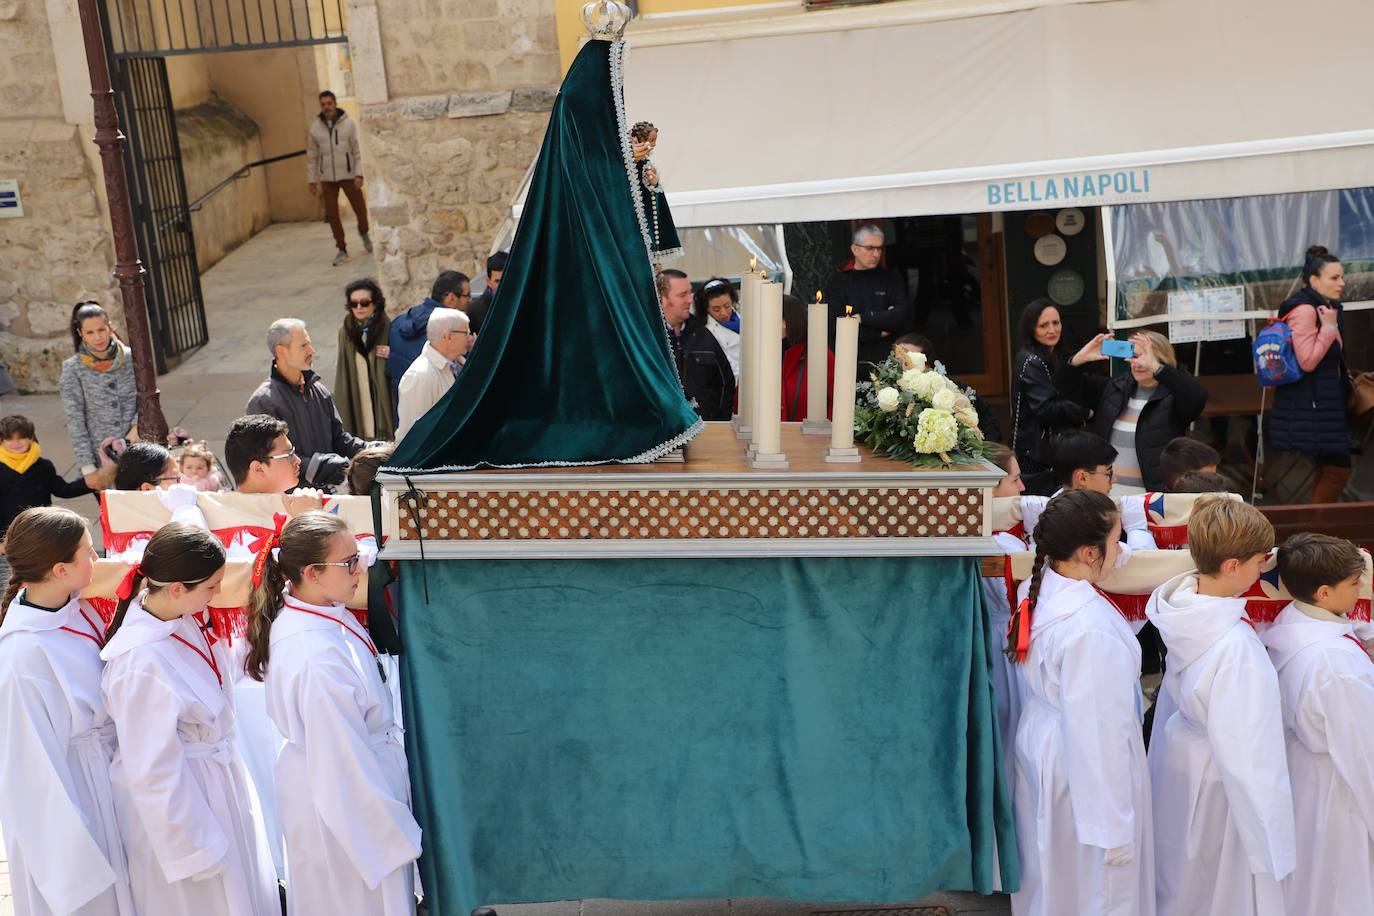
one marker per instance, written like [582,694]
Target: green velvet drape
[572,365]
[813,729]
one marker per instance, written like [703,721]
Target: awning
[1060,106]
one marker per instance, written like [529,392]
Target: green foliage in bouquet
[916,414]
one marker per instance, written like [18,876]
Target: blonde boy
[1223,812]
[1327,684]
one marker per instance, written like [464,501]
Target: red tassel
[125,590]
[1018,633]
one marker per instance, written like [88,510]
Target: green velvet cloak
[573,365]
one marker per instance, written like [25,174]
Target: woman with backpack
[1309,414]
[1038,410]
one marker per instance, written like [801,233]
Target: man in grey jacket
[334,163]
[295,395]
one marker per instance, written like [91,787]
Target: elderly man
[294,394]
[451,290]
[433,372]
[878,297]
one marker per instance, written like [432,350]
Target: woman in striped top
[1140,411]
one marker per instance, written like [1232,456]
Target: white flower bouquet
[917,414]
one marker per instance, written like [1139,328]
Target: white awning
[1060,106]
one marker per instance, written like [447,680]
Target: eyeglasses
[360,303]
[1110,472]
[291,453]
[873,248]
[165,479]
[350,565]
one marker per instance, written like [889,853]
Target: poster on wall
[1216,303]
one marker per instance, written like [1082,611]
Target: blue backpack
[1276,362]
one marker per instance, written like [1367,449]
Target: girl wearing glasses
[186,807]
[343,790]
[147,466]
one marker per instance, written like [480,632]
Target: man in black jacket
[477,311]
[877,296]
[294,394]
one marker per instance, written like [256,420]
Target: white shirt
[425,382]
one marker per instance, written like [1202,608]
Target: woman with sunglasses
[361,390]
[343,789]
[184,803]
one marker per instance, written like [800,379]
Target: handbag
[1361,400]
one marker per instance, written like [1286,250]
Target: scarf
[368,333]
[112,358]
[732,324]
[20,463]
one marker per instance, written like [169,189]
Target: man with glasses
[451,290]
[294,394]
[434,370]
[878,296]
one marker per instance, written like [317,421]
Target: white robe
[186,807]
[1327,685]
[343,789]
[1081,781]
[1008,686]
[1223,812]
[56,743]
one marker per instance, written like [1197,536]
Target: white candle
[768,431]
[846,366]
[817,345]
[749,310]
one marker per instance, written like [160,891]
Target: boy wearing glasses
[1083,461]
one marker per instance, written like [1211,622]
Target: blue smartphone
[1121,349]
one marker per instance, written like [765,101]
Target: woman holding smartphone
[1139,411]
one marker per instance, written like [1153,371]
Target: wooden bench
[1352,521]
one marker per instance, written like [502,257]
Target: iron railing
[163,28]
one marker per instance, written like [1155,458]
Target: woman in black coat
[1138,412]
[1038,410]
[1309,414]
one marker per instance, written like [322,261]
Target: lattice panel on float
[711,504]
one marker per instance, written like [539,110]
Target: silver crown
[606,19]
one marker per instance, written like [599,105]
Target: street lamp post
[128,270]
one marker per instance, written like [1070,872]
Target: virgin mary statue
[573,365]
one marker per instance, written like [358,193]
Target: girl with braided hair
[1082,788]
[343,787]
[65,851]
[186,806]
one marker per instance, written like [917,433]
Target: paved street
[285,271]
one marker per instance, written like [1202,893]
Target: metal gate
[139,36]
[157,186]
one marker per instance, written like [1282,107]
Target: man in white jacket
[334,163]
[434,370]
[1223,809]
[1326,680]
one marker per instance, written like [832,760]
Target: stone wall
[59,252]
[447,151]
[217,139]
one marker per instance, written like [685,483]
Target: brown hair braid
[304,542]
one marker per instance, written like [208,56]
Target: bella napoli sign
[1063,190]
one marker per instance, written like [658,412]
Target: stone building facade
[59,252]
[454,99]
